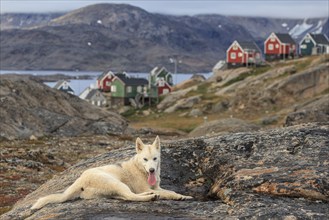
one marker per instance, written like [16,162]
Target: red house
[243,54]
[163,87]
[104,81]
[279,46]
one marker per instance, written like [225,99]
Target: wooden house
[104,81]
[279,46]
[85,92]
[124,88]
[313,44]
[161,82]
[64,86]
[95,97]
[244,53]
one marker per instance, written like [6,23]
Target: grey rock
[231,125]
[314,111]
[195,113]
[269,120]
[274,174]
[185,103]
[32,108]
[173,97]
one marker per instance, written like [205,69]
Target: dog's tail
[70,193]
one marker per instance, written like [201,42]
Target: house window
[276,46]
[270,46]
[307,40]
[108,83]
[303,46]
[161,83]
[113,88]
[129,89]
[233,55]
[65,86]
[272,39]
[139,88]
[235,47]
[240,54]
[165,91]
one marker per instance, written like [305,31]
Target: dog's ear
[139,145]
[156,143]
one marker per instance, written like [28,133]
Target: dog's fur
[137,179]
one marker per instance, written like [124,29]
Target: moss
[254,72]
[129,113]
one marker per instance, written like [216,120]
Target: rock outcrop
[30,108]
[228,125]
[314,111]
[275,174]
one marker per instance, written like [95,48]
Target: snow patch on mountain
[299,29]
[318,28]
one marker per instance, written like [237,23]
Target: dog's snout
[151,170]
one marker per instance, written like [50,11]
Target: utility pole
[175,62]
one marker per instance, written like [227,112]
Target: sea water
[78,85]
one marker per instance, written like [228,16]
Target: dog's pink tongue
[151,180]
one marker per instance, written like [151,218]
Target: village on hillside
[119,89]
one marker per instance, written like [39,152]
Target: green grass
[300,66]
[254,72]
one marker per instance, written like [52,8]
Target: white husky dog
[137,179]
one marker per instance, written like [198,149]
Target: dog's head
[149,157]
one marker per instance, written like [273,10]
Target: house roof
[320,39]
[129,81]
[92,93]
[100,77]
[285,38]
[249,45]
[157,70]
[58,84]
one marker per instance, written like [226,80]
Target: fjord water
[78,85]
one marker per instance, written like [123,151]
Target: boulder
[171,98]
[185,103]
[31,108]
[222,126]
[314,111]
[273,174]
[195,113]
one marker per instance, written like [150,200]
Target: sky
[263,8]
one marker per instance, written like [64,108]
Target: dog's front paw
[155,197]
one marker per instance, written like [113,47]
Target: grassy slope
[175,120]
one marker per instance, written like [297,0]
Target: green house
[313,44]
[124,88]
[161,81]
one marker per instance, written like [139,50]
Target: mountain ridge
[126,38]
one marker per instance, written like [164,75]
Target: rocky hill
[29,108]
[285,93]
[236,165]
[274,174]
[127,38]
[26,20]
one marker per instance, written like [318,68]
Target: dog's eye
[145,159]
[154,158]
